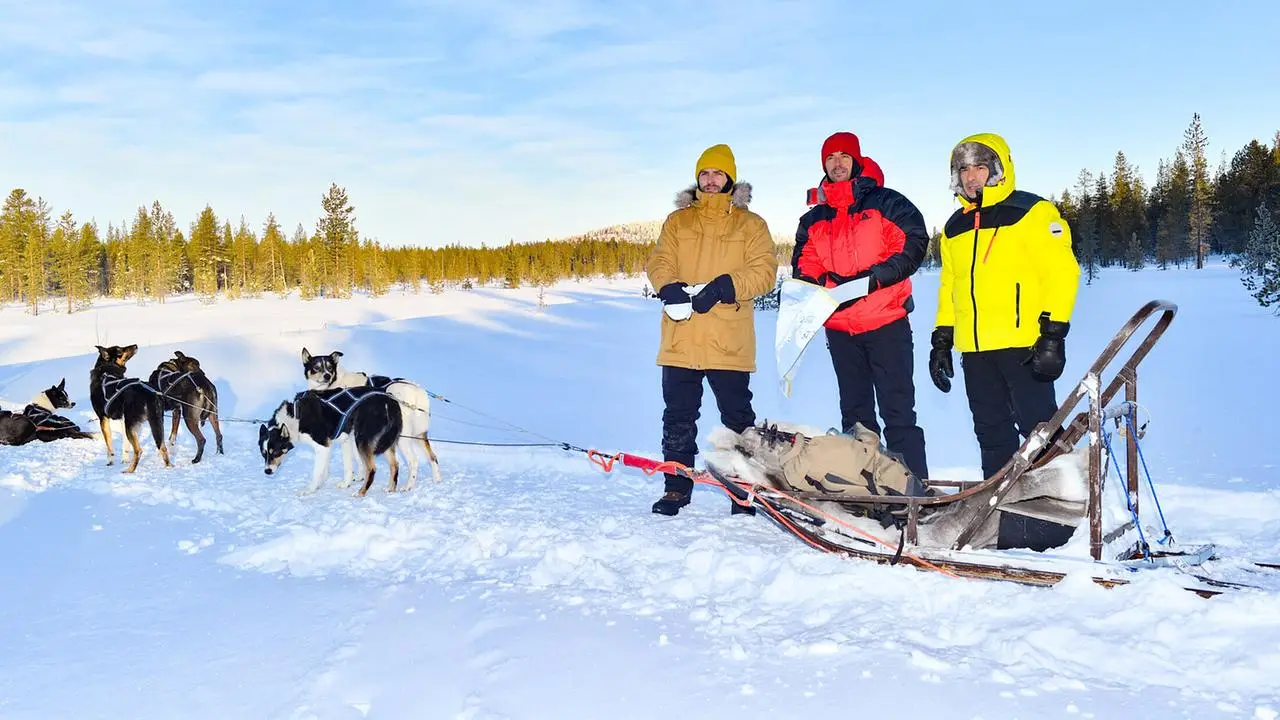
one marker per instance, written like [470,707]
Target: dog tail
[390,433]
[155,418]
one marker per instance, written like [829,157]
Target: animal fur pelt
[741,196]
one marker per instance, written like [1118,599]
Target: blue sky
[456,121]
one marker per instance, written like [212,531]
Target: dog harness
[44,419]
[343,401]
[382,382]
[113,385]
[165,380]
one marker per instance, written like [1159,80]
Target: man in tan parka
[713,258]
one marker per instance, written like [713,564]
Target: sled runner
[1019,525]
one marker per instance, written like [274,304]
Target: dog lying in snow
[367,420]
[189,394]
[128,400]
[37,421]
[322,372]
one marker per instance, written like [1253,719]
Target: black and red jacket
[859,227]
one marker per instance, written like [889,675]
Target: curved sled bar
[1052,438]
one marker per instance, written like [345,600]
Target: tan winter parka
[707,236]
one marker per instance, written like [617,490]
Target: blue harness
[44,419]
[112,386]
[343,401]
[166,381]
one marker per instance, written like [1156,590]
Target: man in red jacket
[860,231]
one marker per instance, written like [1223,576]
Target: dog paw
[305,493]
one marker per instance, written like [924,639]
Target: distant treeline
[1191,211]
[149,257]
[1116,220]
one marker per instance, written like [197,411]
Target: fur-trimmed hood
[740,196]
[991,149]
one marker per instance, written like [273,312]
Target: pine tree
[1260,261]
[203,250]
[1128,207]
[271,257]
[16,221]
[1251,178]
[511,266]
[1171,245]
[1195,143]
[339,238]
[224,255]
[1136,257]
[62,252]
[243,247]
[166,260]
[35,253]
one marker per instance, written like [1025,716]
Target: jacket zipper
[990,242]
[973,268]
[1017,305]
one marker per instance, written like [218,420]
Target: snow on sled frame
[1051,439]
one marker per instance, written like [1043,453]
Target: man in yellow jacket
[1008,288]
[713,258]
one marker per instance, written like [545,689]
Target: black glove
[940,368]
[820,281]
[1049,355]
[719,290]
[674,293]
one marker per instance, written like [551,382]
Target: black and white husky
[38,421]
[322,373]
[366,419]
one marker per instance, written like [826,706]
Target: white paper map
[802,309]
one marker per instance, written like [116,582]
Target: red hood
[871,169]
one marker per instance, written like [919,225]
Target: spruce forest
[1190,212]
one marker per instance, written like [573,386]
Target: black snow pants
[1006,400]
[877,367]
[682,393]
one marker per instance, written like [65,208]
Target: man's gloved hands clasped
[720,290]
[940,369]
[676,301]
[1049,355]
[673,293]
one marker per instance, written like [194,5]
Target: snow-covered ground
[531,584]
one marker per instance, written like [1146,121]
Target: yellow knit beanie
[717,157]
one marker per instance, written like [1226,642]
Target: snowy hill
[636,232]
[647,232]
[530,584]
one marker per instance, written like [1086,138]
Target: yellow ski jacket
[1005,260]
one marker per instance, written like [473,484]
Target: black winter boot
[671,502]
